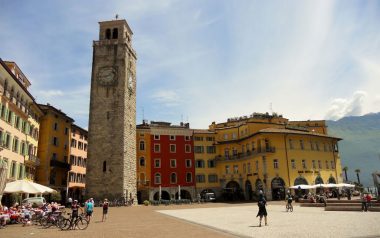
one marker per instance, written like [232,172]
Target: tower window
[115,33]
[104,166]
[108,34]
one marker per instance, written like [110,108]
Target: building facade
[78,161]
[19,123]
[111,168]
[171,161]
[54,149]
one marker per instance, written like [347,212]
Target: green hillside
[360,148]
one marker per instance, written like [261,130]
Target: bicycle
[79,222]
[289,206]
[52,218]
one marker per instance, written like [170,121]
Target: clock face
[107,76]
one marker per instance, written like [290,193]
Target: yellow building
[54,149]
[206,173]
[19,123]
[269,153]
[143,145]
[78,161]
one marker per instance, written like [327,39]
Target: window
[108,34]
[85,147]
[67,131]
[302,145]
[198,138]
[209,138]
[199,163]
[189,178]
[249,168]
[142,145]
[17,122]
[187,138]
[332,165]
[21,172]
[275,163]
[234,136]
[257,165]
[173,178]
[200,178]
[227,153]
[198,149]
[157,178]
[55,141]
[212,178]
[303,164]
[15,145]
[172,137]
[142,161]
[317,145]
[73,143]
[172,148]
[115,33]
[211,163]
[13,169]
[156,137]
[10,116]
[313,164]
[311,145]
[225,136]
[52,177]
[291,144]
[7,140]
[188,148]
[173,163]
[55,126]
[211,150]
[188,163]
[253,146]
[227,168]
[244,168]
[324,147]
[327,164]
[319,164]
[293,162]
[157,163]
[236,169]
[104,166]
[157,148]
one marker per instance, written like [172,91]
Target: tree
[357,171]
[345,172]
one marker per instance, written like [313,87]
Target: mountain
[360,147]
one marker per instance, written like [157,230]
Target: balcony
[247,155]
[60,164]
[34,160]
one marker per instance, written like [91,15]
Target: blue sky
[205,61]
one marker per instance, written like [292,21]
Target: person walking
[105,209]
[89,209]
[368,198]
[363,199]
[262,210]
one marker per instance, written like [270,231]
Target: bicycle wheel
[45,222]
[64,224]
[81,223]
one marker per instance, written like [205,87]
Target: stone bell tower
[111,163]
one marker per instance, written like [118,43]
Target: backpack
[261,203]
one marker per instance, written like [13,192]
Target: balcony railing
[33,159]
[246,155]
[60,164]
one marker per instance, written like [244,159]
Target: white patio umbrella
[321,185]
[24,186]
[347,185]
[302,186]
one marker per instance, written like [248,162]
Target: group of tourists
[89,208]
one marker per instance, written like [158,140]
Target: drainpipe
[287,159]
[336,173]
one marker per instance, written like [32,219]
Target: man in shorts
[89,209]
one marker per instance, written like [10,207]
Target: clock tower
[111,163]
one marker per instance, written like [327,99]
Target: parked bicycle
[79,222]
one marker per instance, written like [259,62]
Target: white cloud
[50,93]
[342,107]
[168,98]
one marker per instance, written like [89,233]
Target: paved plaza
[214,220]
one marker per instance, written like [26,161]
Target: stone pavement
[303,222]
[213,220]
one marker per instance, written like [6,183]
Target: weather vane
[117,16]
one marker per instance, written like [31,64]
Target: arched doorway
[248,190]
[232,191]
[332,179]
[318,180]
[164,196]
[184,194]
[278,189]
[139,200]
[298,181]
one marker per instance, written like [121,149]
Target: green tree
[357,171]
[345,172]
